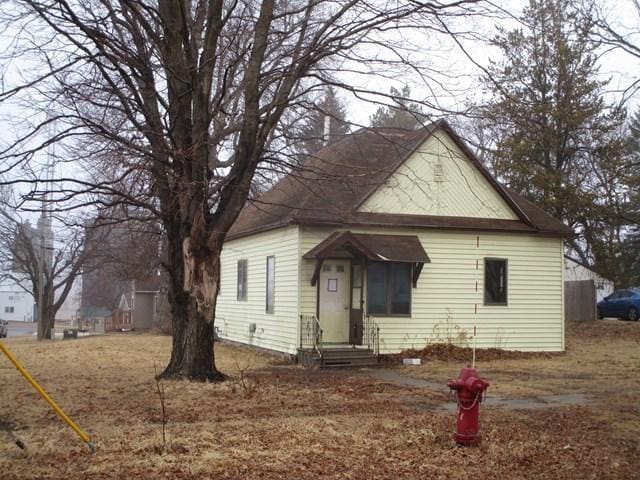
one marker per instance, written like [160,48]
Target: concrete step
[366,361]
[346,353]
[338,357]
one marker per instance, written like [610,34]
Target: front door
[334,300]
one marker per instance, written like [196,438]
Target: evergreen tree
[407,114]
[630,248]
[312,135]
[556,140]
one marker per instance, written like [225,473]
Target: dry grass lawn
[288,422]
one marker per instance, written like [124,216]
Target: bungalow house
[391,239]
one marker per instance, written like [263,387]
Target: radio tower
[45,237]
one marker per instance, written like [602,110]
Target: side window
[271,283]
[495,281]
[242,280]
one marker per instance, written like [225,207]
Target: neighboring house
[137,308]
[120,284]
[15,303]
[399,235]
[576,271]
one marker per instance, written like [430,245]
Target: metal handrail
[371,335]
[318,338]
[311,333]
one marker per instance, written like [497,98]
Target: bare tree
[32,259]
[622,35]
[187,98]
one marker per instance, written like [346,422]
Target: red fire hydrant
[469,390]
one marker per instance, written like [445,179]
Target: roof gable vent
[438,172]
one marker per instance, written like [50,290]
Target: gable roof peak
[330,186]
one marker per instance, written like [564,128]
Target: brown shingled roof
[374,247]
[329,187]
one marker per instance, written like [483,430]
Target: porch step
[338,357]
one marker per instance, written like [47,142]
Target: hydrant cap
[467,372]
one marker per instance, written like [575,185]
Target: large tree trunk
[193,292]
[192,354]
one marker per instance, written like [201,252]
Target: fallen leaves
[298,423]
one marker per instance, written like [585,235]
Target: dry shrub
[450,352]
[244,381]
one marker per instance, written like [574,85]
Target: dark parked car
[3,328]
[621,304]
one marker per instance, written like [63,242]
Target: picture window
[389,288]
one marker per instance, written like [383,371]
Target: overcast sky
[460,74]
[453,81]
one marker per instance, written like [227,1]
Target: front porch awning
[370,247]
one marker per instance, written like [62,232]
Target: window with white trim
[495,281]
[270,284]
[242,280]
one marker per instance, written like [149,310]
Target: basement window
[495,281]
[242,280]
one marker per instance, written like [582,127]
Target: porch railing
[311,333]
[371,334]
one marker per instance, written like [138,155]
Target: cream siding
[444,302]
[277,331]
[437,179]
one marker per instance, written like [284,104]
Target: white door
[334,301]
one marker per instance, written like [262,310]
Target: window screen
[495,281]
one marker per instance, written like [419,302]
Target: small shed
[574,271]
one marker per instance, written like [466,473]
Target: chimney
[327,129]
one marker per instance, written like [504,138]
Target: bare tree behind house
[184,103]
[325,121]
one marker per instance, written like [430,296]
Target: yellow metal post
[85,438]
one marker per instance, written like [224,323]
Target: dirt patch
[603,330]
[600,356]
